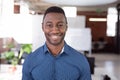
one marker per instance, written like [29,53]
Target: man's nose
[55,28]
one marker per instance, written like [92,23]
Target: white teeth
[54,37]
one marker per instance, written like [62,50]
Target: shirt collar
[65,49]
[45,48]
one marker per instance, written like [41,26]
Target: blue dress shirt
[42,65]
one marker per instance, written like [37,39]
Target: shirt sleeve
[86,76]
[86,73]
[26,74]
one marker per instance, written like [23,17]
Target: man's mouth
[55,37]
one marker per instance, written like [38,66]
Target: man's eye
[60,25]
[49,25]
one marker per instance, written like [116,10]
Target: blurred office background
[94,30]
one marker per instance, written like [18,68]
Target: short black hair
[54,9]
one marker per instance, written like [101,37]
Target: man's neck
[55,49]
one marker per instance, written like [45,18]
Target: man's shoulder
[36,53]
[35,57]
[73,50]
[77,57]
[76,54]
[38,50]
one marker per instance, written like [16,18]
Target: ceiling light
[81,2]
[97,19]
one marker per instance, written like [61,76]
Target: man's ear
[42,27]
[66,27]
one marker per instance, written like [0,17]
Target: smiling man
[55,60]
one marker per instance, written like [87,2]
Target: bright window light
[17,26]
[97,19]
[7,7]
[24,9]
[111,21]
[70,11]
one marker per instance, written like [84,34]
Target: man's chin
[55,43]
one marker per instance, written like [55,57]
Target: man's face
[54,27]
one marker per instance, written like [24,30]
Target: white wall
[79,38]
[38,37]
[76,22]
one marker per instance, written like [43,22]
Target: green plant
[26,48]
[15,61]
[9,55]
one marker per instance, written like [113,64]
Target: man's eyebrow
[61,22]
[48,22]
[57,22]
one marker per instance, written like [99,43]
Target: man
[55,60]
